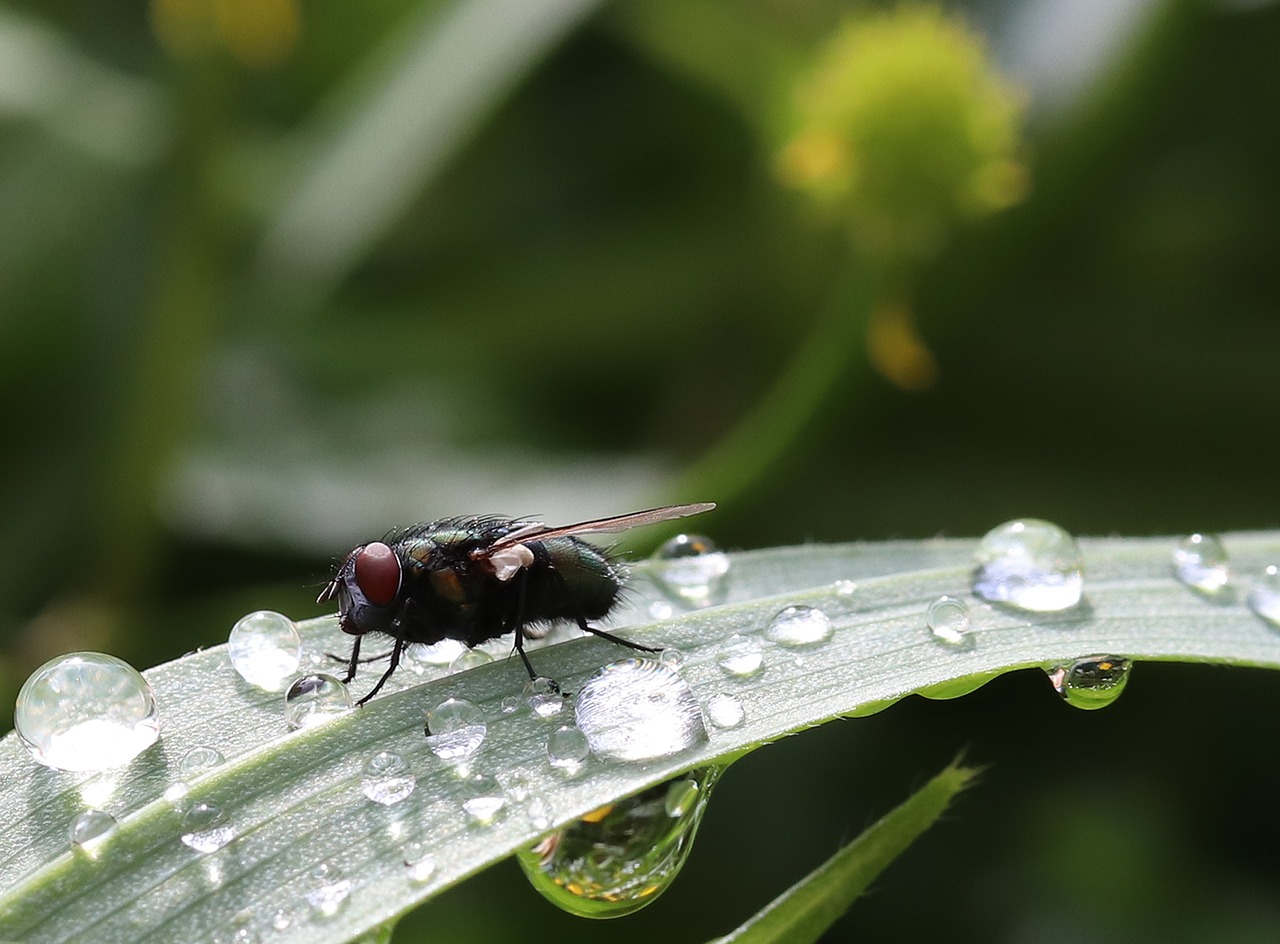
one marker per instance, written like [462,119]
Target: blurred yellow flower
[904,127]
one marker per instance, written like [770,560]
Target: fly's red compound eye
[378,573]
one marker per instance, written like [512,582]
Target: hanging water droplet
[797,626]
[455,729]
[90,829]
[543,697]
[948,621]
[725,711]
[1264,595]
[469,659]
[1090,683]
[205,828]
[485,801]
[332,897]
[199,760]
[315,699]
[419,861]
[387,778]
[86,711]
[1029,564]
[740,656]
[622,856]
[637,709]
[265,649]
[1200,561]
[567,748]
[693,572]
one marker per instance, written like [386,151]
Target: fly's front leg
[354,661]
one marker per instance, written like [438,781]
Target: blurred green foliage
[278,276]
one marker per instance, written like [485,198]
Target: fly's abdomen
[585,582]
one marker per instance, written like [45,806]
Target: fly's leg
[581,619]
[395,663]
[517,622]
[354,660]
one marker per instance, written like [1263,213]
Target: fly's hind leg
[581,619]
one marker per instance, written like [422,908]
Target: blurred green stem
[831,351]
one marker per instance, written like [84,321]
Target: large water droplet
[567,748]
[86,711]
[623,856]
[90,830]
[1091,683]
[1200,561]
[455,729]
[948,621]
[694,572]
[315,699]
[638,709]
[1264,595]
[265,649]
[797,626]
[740,656]
[205,828]
[1029,564]
[387,778]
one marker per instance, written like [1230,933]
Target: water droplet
[205,828]
[199,760]
[86,711]
[948,621]
[265,649]
[485,801]
[282,920]
[661,610]
[637,709]
[438,653]
[509,705]
[1264,595]
[331,897]
[455,729]
[1200,561]
[387,778]
[797,626]
[315,699]
[672,658]
[1029,564]
[90,830]
[419,861]
[469,659]
[694,572]
[725,711]
[543,697]
[567,748]
[740,656]
[844,588]
[622,856]
[539,813]
[1090,683]
[176,792]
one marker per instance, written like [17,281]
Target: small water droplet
[740,656]
[543,697]
[86,711]
[1090,683]
[455,729]
[1029,564]
[672,658]
[315,699]
[1200,561]
[469,659]
[332,897]
[622,856]
[265,649]
[638,709]
[282,920]
[199,760]
[694,572]
[539,812]
[948,621]
[510,705]
[176,792]
[387,778]
[661,610]
[725,711]
[90,829]
[1264,595]
[567,748]
[485,801]
[844,588]
[205,828]
[419,861]
[797,626]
